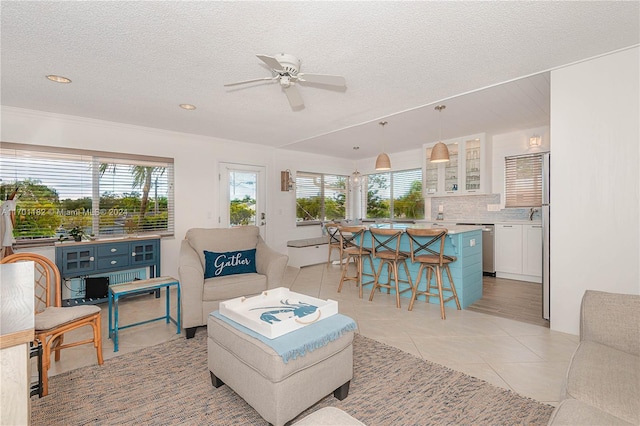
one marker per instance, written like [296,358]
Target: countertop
[451,228]
[488,222]
[17,319]
[118,239]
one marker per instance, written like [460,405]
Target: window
[320,197]
[395,195]
[102,193]
[523,181]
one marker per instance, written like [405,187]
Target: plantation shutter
[523,181]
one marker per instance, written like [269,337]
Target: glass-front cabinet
[451,172]
[466,171]
[472,166]
[430,174]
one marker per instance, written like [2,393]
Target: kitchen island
[462,241]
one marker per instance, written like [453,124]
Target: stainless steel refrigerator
[546,204]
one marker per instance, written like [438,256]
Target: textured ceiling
[134,62]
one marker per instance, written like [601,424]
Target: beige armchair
[201,295]
[602,385]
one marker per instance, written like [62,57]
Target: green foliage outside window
[377,206]
[242,212]
[320,197]
[410,206]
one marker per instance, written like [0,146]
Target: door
[242,190]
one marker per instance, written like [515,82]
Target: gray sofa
[201,296]
[602,386]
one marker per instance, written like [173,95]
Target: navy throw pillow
[229,263]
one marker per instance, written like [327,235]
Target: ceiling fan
[286,71]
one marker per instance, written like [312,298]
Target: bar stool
[423,244]
[331,230]
[383,242]
[352,241]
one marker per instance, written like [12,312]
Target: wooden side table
[141,286]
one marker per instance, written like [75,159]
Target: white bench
[308,251]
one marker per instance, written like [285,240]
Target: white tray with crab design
[277,311]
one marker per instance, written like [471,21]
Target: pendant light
[439,152]
[383,162]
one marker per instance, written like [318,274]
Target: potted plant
[76,232]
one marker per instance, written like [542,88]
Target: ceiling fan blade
[271,62]
[293,94]
[250,81]
[334,80]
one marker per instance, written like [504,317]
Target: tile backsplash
[474,208]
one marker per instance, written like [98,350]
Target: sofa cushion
[572,412]
[232,286]
[222,239]
[607,379]
[229,263]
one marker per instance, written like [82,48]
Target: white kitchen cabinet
[465,173]
[518,251]
[532,250]
[508,249]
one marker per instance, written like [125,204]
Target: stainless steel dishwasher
[488,247]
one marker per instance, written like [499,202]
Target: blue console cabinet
[108,256]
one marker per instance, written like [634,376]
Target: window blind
[102,193]
[320,196]
[408,202]
[396,195]
[523,181]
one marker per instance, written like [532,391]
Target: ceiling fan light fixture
[439,153]
[383,162]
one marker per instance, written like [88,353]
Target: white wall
[595,193]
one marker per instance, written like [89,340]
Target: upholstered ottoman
[329,416]
[278,390]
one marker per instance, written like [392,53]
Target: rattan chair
[51,319]
[427,248]
[386,247]
[352,240]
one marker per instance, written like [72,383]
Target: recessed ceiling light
[188,107]
[58,78]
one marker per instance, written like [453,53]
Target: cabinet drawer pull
[113,262]
[507,226]
[91,259]
[133,254]
[113,250]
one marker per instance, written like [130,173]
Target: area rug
[169,384]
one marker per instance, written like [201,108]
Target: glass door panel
[451,169]
[243,188]
[430,174]
[472,165]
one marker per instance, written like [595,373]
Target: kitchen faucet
[532,210]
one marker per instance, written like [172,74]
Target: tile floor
[528,359]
